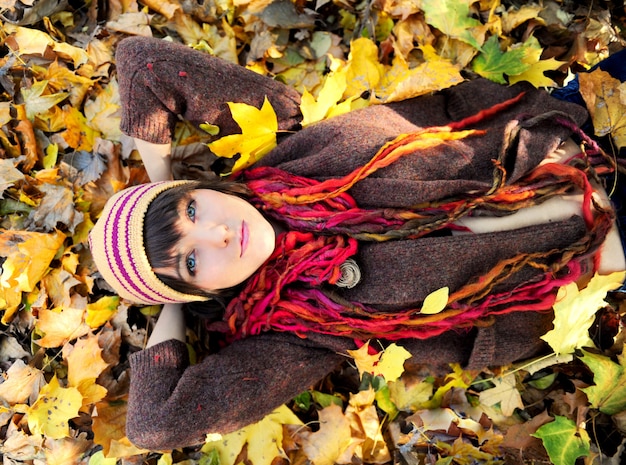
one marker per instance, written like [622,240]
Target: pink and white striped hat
[117,246]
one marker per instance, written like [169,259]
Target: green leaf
[493,64]
[452,17]
[608,394]
[563,441]
[326,400]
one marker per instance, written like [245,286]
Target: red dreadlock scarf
[325,224]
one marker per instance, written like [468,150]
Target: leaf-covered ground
[64,340]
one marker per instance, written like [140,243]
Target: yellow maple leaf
[389,364]
[574,312]
[109,429]
[363,417]
[33,41]
[257,138]
[364,71]
[332,91]
[333,442]
[101,311]
[605,97]
[84,365]
[504,393]
[102,112]
[400,83]
[60,326]
[21,383]
[37,102]
[78,134]
[264,439]
[52,410]
[535,73]
[28,256]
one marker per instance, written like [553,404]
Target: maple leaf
[333,441]
[264,439]
[60,326]
[21,383]
[363,417]
[574,312]
[33,41]
[452,17]
[608,394]
[78,134]
[9,175]
[53,409]
[257,138]
[28,256]
[515,17]
[102,112]
[315,109]
[564,441]
[109,429]
[409,396]
[99,312]
[135,23]
[504,393]
[66,450]
[389,364]
[605,97]
[493,64]
[37,103]
[401,83]
[364,71]
[84,365]
[442,419]
[535,73]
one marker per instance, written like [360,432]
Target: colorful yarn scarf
[289,293]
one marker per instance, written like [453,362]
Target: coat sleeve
[173,404]
[160,82]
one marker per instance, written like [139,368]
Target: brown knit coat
[173,404]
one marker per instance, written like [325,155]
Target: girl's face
[224,240]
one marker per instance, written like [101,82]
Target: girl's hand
[170,325]
[156,158]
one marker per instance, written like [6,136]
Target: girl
[339,234]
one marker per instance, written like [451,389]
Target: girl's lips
[244,238]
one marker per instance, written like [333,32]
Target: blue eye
[191,264]
[191,210]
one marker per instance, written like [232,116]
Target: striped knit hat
[117,246]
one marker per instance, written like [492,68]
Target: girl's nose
[217,235]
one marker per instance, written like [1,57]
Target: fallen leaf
[564,441]
[264,439]
[605,97]
[61,326]
[504,393]
[608,394]
[452,17]
[53,409]
[109,429]
[332,441]
[492,63]
[21,384]
[257,138]
[436,301]
[574,312]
